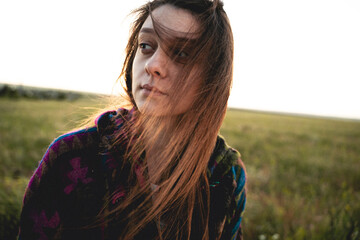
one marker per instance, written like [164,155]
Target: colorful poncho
[68,189]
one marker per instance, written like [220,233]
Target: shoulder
[110,121]
[84,141]
[78,149]
[226,160]
[226,174]
[70,142]
[67,187]
[89,137]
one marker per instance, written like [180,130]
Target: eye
[145,48]
[180,54]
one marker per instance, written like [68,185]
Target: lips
[151,89]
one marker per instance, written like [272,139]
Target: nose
[156,65]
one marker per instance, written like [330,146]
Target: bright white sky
[290,56]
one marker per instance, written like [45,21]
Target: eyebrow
[183,40]
[147,30]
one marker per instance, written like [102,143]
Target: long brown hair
[182,195]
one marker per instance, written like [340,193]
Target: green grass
[303,173]
[28,126]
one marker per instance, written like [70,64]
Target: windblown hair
[181,200]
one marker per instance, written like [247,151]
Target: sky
[290,56]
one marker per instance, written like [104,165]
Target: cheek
[134,73]
[189,97]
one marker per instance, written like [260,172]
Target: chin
[151,110]
[159,111]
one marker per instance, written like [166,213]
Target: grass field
[303,172]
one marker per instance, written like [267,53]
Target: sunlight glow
[290,56]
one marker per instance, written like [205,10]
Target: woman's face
[155,71]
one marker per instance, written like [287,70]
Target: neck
[159,137]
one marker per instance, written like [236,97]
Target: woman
[156,170]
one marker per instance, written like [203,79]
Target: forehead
[174,19]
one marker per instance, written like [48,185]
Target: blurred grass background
[303,172]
